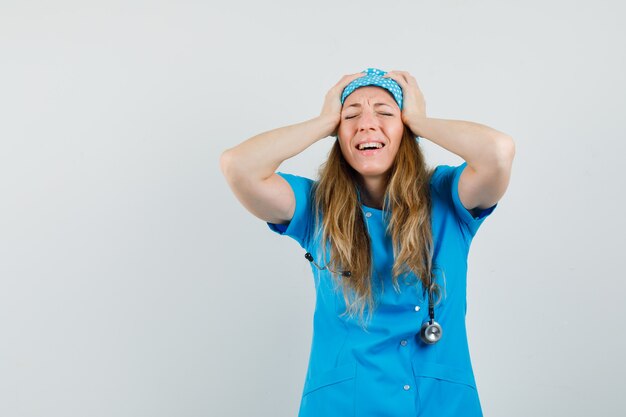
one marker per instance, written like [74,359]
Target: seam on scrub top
[345,339]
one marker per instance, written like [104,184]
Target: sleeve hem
[297,226]
[472,222]
[285,228]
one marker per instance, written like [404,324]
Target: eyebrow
[359,105]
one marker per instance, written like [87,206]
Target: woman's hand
[332,102]
[413,103]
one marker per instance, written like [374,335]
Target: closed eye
[384,114]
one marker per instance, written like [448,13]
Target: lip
[370,152]
[356,146]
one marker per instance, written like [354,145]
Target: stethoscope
[429,333]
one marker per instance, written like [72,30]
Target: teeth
[370,145]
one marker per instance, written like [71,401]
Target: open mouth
[369,148]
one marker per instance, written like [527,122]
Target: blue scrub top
[384,370]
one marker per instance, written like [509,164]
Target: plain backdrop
[133,282]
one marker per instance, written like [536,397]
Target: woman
[385,235]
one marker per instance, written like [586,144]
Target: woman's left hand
[413,103]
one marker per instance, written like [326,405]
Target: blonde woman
[387,239]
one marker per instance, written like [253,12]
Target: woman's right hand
[332,102]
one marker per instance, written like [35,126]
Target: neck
[373,191]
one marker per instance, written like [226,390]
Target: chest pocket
[330,393]
[445,391]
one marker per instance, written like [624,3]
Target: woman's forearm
[479,145]
[260,156]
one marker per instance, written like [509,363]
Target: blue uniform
[385,371]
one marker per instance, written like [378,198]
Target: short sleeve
[300,226]
[447,184]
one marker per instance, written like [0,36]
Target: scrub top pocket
[330,393]
[445,391]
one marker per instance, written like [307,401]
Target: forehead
[370,92]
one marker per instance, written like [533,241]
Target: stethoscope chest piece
[431,332]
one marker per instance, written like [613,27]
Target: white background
[133,283]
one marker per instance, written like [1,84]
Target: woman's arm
[477,144]
[489,153]
[258,157]
[250,167]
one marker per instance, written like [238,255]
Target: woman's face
[370,115]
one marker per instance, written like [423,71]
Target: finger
[401,72]
[405,74]
[396,77]
[347,79]
[407,78]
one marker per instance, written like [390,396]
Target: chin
[373,172]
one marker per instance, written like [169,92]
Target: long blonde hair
[406,200]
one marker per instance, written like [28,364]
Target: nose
[367,120]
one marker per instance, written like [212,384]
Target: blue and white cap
[374,77]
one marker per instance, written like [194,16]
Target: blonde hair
[343,228]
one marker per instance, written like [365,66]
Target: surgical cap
[374,77]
